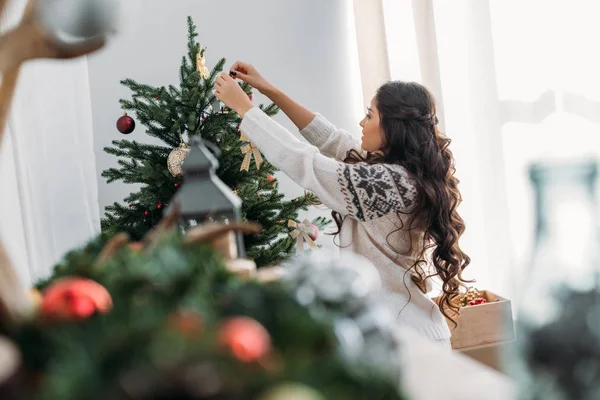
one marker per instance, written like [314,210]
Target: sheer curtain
[549,92]
[515,82]
[47,169]
[452,48]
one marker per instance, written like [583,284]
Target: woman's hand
[229,92]
[250,75]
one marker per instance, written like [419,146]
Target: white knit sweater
[369,195]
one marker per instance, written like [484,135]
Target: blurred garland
[182,327]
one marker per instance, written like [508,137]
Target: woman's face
[372,139]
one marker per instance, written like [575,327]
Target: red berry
[237,127]
[270,177]
[131,205]
[477,302]
[157,98]
[177,185]
[159,206]
[146,213]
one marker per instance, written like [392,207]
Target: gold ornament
[176,158]
[301,233]
[201,65]
[248,150]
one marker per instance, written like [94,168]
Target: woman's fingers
[240,66]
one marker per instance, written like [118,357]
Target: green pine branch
[161,337]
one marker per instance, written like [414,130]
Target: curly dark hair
[407,118]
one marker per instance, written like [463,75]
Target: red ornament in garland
[125,124]
[247,339]
[73,298]
[146,213]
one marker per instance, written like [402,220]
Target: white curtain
[47,169]
[515,82]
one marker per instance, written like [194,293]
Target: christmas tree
[174,114]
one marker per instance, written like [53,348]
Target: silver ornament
[79,19]
[175,160]
[333,278]
[348,287]
[349,337]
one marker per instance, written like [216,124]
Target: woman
[395,188]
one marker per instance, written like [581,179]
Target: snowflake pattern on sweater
[365,192]
[372,191]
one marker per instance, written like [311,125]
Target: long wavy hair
[407,118]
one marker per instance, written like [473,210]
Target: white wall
[307,48]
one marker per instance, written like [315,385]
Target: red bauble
[159,206]
[177,185]
[146,213]
[316,235]
[74,298]
[125,124]
[247,339]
